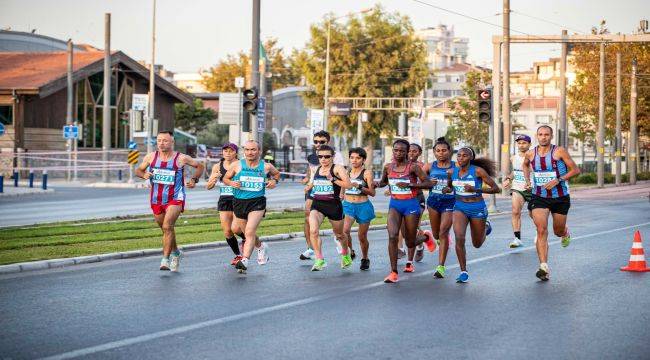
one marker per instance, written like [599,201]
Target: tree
[193,118]
[372,55]
[214,134]
[221,77]
[583,93]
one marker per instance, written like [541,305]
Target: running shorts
[559,205]
[525,194]
[441,204]
[331,209]
[362,213]
[242,207]
[160,209]
[472,210]
[225,203]
[405,207]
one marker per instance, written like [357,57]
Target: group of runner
[341,194]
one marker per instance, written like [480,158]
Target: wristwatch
[196,180]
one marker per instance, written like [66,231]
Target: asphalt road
[128,309]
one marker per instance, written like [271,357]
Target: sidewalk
[24,190]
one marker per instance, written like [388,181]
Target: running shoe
[419,253]
[409,268]
[164,264]
[488,227]
[431,245]
[543,273]
[262,254]
[234,260]
[339,249]
[319,265]
[463,277]
[352,255]
[400,253]
[346,261]
[307,254]
[365,264]
[175,261]
[515,243]
[391,278]
[440,272]
[242,265]
[566,239]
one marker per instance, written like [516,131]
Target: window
[543,119]
[7,114]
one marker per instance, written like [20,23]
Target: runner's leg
[250,230]
[363,239]
[540,218]
[169,235]
[477,229]
[460,228]
[315,219]
[393,226]
[445,225]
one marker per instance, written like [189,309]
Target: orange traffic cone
[637,258]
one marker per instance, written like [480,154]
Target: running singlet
[469,179]
[325,189]
[252,181]
[360,180]
[518,181]
[395,177]
[224,190]
[167,181]
[440,174]
[545,170]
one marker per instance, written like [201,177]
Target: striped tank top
[546,169]
[167,180]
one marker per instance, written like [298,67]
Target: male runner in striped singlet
[164,168]
[552,167]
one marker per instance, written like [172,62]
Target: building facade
[444,49]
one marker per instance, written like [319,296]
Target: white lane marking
[287,305]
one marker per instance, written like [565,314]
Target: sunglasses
[316,142]
[324,156]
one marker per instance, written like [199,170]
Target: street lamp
[327,65]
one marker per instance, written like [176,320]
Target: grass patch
[91,237]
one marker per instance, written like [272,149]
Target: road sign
[239,82]
[230,107]
[152,141]
[484,94]
[261,114]
[140,102]
[132,145]
[2,129]
[340,108]
[133,156]
[316,117]
[70,132]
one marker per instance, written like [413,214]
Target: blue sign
[261,114]
[152,141]
[2,129]
[132,145]
[70,132]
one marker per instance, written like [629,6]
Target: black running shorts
[225,203]
[243,207]
[332,210]
[559,205]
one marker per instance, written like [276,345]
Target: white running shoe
[339,248]
[175,261]
[262,254]
[515,243]
[307,254]
[164,264]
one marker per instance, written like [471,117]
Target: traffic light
[250,100]
[245,122]
[485,105]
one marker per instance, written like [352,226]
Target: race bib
[225,190]
[459,187]
[441,184]
[396,190]
[354,190]
[544,177]
[323,187]
[251,183]
[163,176]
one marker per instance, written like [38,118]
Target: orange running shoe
[391,278]
[409,268]
[233,262]
[431,245]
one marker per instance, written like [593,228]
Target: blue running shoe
[463,277]
[488,227]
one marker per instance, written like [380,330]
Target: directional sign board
[140,102]
[70,132]
[316,116]
[340,108]
[133,156]
[261,114]
[484,94]
[2,129]
[132,145]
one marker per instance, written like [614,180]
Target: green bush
[591,178]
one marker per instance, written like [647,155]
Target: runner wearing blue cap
[517,184]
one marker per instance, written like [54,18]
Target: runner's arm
[487,179]
[141,170]
[384,178]
[305,180]
[508,178]
[370,190]
[344,179]
[573,169]
[214,174]
[425,182]
[199,167]
[450,186]
[230,173]
[273,174]
[526,168]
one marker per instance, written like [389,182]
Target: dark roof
[207,96]
[45,73]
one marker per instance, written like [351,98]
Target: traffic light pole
[505,147]
[255,64]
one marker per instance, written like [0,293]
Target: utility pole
[152,84]
[106,114]
[68,115]
[563,136]
[619,143]
[255,63]
[633,145]
[601,120]
[505,147]
[492,206]
[326,108]
[496,102]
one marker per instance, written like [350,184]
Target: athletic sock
[176,252]
[244,261]
[234,246]
[518,234]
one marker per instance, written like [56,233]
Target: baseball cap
[231,146]
[522,137]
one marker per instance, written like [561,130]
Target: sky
[195,34]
